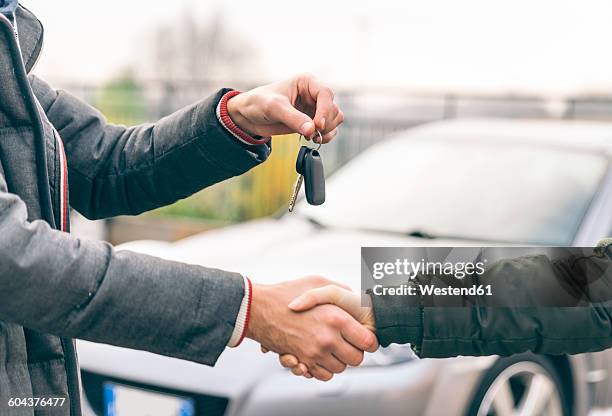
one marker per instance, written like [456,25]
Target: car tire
[521,382]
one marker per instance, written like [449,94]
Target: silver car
[465,182]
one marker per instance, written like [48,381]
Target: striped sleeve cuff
[231,127]
[244,313]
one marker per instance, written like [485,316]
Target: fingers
[301,370]
[330,136]
[320,373]
[352,331]
[348,354]
[359,336]
[291,362]
[333,364]
[298,105]
[333,127]
[319,296]
[345,354]
[288,360]
[346,341]
[281,110]
[327,115]
[326,111]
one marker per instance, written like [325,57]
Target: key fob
[299,162]
[314,177]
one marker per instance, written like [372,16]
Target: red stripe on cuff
[229,125]
[248,313]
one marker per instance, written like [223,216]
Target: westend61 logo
[411,269]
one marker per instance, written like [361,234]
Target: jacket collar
[13,87]
[30,36]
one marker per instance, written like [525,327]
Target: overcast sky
[550,46]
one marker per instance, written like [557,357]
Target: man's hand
[335,295]
[298,105]
[339,296]
[325,338]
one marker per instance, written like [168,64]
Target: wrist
[258,308]
[398,319]
[242,322]
[235,104]
[230,113]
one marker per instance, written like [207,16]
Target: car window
[520,193]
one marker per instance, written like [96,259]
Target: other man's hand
[298,105]
[325,338]
[335,295]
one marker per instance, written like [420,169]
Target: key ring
[320,137]
[321,142]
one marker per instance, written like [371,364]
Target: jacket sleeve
[489,328]
[58,284]
[116,170]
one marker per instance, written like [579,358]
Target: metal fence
[371,117]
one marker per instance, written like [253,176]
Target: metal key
[299,163]
[296,190]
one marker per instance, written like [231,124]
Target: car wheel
[521,385]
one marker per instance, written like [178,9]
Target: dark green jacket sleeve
[483,329]
[117,170]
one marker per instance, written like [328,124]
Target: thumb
[323,295]
[295,120]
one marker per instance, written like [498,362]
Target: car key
[314,177]
[299,163]
[316,188]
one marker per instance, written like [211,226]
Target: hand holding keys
[309,167]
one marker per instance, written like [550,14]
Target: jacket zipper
[47,214]
[28,95]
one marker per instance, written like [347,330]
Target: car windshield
[469,189]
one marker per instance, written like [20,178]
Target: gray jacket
[54,287]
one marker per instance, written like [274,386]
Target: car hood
[270,250]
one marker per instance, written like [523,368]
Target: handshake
[318,327]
